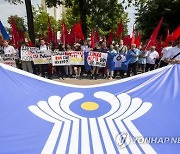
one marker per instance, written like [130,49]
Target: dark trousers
[61,71]
[45,71]
[162,63]
[121,73]
[132,67]
[149,66]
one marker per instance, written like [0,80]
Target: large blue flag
[140,114]
[3,32]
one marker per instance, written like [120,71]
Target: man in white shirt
[152,55]
[44,68]
[173,55]
[8,49]
[165,54]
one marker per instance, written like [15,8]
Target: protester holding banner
[77,68]
[104,49]
[8,49]
[68,68]
[61,68]
[26,57]
[95,69]
[173,55]
[122,50]
[44,68]
[133,65]
[152,56]
[164,54]
[142,59]
[111,54]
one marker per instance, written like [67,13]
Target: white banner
[60,58]
[118,59]
[97,59]
[27,52]
[8,59]
[76,57]
[42,57]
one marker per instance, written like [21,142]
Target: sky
[7,10]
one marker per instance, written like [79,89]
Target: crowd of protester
[142,61]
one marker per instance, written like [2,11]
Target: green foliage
[19,21]
[94,14]
[41,22]
[15,1]
[151,11]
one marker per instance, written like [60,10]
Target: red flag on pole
[176,33]
[119,30]
[159,47]
[78,31]
[50,33]
[110,38]
[167,40]
[64,35]
[93,39]
[152,39]
[133,36]
[138,40]
[96,39]
[15,35]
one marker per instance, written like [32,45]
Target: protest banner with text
[60,58]
[27,52]
[76,57]
[8,59]
[42,57]
[97,59]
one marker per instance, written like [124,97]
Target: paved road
[84,81]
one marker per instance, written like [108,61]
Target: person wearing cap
[173,56]
[134,61]
[152,56]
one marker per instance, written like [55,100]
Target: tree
[104,15]
[29,17]
[149,14]
[41,22]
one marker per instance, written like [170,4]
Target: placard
[97,59]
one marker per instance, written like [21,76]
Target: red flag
[167,39]
[96,39]
[55,38]
[15,35]
[50,33]
[176,33]
[93,39]
[152,40]
[72,36]
[138,40]
[64,35]
[110,38]
[133,36]
[119,30]
[159,46]
[78,31]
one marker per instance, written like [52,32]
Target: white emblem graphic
[75,134]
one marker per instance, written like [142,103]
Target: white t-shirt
[43,47]
[9,50]
[172,52]
[165,52]
[151,57]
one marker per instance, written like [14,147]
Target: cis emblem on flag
[91,127]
